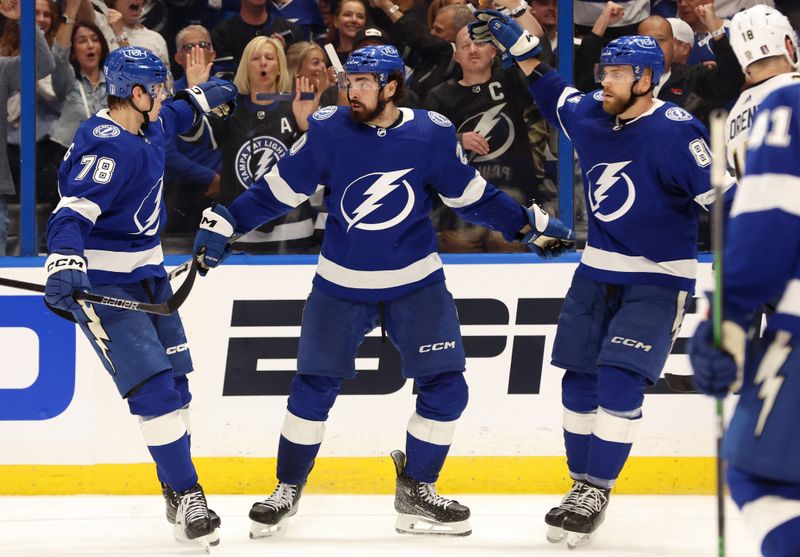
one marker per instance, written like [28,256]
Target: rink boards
[64,429]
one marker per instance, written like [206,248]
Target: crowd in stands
[273,49]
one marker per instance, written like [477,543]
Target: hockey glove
[215,96]
[718,372]
[548,237]
[66,274]
[505,33]
[211,242]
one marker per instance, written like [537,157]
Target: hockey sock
[310,400]
[620,394]
[173,461]
[579,397]
[441,399]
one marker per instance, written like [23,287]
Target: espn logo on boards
[261,365]
[38,379]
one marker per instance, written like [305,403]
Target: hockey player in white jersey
[104,236]
[380,166]
[762,243]
[766,46]
[645,165]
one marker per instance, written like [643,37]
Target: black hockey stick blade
[283,96]
[165,308]
[680,383]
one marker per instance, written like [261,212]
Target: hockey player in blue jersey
[762,444]
[104,235]
[645,167]
[380,166]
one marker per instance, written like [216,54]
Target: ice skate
[171,499]
[555,517]
[586,516]
[269,515]
[422,511]
[192,521]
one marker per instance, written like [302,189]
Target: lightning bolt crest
[607,179]
[488,121]
[98,332]
[768,377]
[382,187]
[264,162]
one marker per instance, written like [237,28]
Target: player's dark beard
[366,117]
[616,107]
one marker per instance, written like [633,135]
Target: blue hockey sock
[174,463]
[424,460]
[579,397]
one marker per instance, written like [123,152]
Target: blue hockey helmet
[638,52]
[380,60]
[129,66]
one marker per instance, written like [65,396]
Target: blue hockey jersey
[761,264]
[112,205]
[645,181]
[379,183]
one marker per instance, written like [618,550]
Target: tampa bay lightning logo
[611,191]
[255,158]
[377,201]
[496,127]
[147,217]
[105,131]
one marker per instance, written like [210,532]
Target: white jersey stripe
[617,262]
[282,191]
[766,192]
[472,193]
[84,207]
[352,278]
[790,301]
[122,262]
[565,94]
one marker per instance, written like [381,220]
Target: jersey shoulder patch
[678,114]
[598,95]
[106,131]
[439,119]
[324,113]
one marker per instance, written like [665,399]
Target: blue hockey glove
[66,274]
[717,372]
[548,237]
[505,33]
[215,96]
[211,242]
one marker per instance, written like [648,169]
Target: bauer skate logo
[257,157]
[437,346]
[147,217]
[496,127]
[611,191]
[382,196]
[638,344]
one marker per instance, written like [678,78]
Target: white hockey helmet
[760,32]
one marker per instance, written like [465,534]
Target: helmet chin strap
[144,113]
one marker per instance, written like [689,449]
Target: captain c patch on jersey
[256,157]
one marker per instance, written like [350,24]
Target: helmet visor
[357,81]
[613,73]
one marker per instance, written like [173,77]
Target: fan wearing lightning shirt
[260,133]
[645,166]
[486,106]
[762,443]
[380,166]
[104,236]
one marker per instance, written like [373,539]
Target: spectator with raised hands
[121,24]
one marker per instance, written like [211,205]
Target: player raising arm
[380,166]
[105,233]
[645,167]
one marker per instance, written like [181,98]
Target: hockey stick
[717,129]
[680,383]
[165,308]
[284,96]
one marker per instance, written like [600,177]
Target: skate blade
[577,539]
[209,540]
[555,534]
[260,531]
[419,525]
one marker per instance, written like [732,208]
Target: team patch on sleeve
[105,131]
[439,119]
[678,114]
[699,151]
[297,145]
[598,96]
[324,113]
